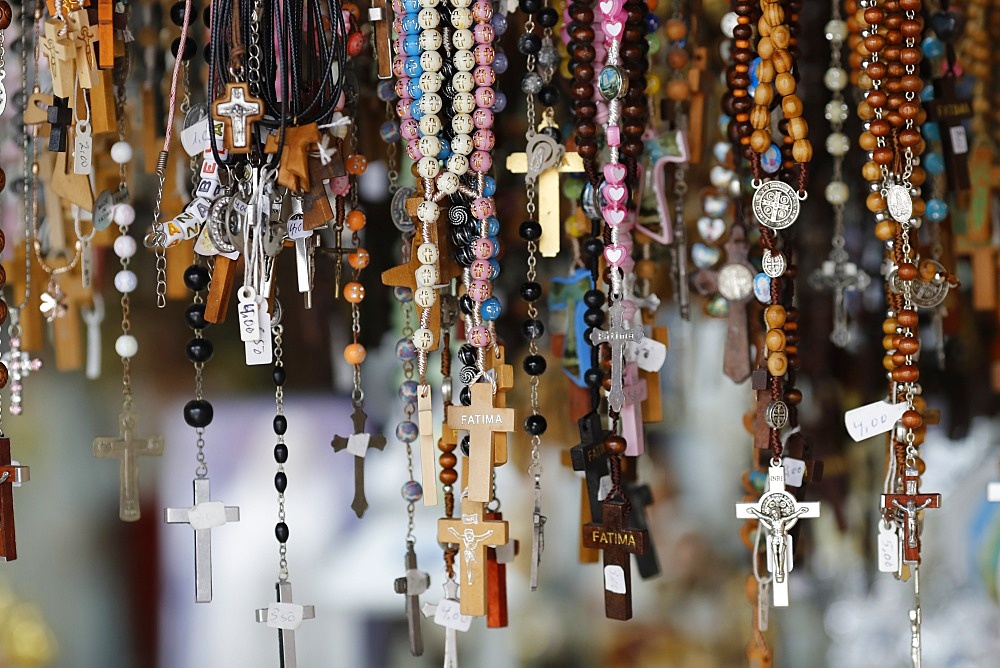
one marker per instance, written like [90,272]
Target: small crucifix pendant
[616,336]
[841,276]
[128,448]
[238,110]
[20,364]
[537,535]
[412,585]
[906,506]
[617,542]
[285,616]
[357,444]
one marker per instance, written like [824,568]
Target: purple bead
[403,108]
[500,60]
[483,249]
[479,337]
[481,269]
[480,162]
[402,87]
[480,291]
[397,66]
[407,432]
[405,349]
[482,118]
[413,150]
[485,97]
[499,22]
[482,10]
[386,91]
[484,54]
[482,207]
[500,104]
[389,132]
[483,32]
[483,140]
[484,75]
[412,491]
[409,129]
[408,391]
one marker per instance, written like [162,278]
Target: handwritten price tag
[195,138]
[650,355]
[871,420]
[296,227]
[285,616]
[449,615]
[614,579]
[888,548]
[207,515]
[795,469]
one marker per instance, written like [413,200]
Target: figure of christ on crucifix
[779,515]
[470,541]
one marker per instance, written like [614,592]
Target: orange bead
[777,364]
[356,164]
[912,419]
[907,271]
[359,259]
[356,220]
[889,326]
[908,318]
[774,316]
[774,340]
[355,353]
[886,230]
[676,30]
[354,292]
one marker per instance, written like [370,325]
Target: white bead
[123,214]
[836,110]
[126,346]
[837,144]
[728,22]
[836,31]
[461,124]
[463,82]
[430,124]
[428,166]
[461,18]
[721,150]
[126,281]
[458,164]
[125,246]
[430,61]
[426,275]
[430,103]
[464,61]
[430,82]
[430,40]
[121,152]
[835,79]
[448,182]
[427,253]
[429,145]
[462,144]
[429,3]
[464,103]
[462,3]
[425,297]
[837,192]
[720,176]
[423,339]
[428,212]
[428,18]
[463,39]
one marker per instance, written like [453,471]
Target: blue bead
[387,90]
[933,47]
[410,24]
[934,163]
[412,491]
[937,210]
[489,187]
[403,295]
[389,132]
[408,391]
[927,93]
[496,245]
[405,349]
[445,151]
[407,432]
[490,309]
[652,22]
[415,110]
[757,479]
[753,72]
[413,89]
[412,68]
[492,223]
[770,160]
[411,45]
[411,6]
[500,103]
[494,269]
[932,131]
[762,288]
[500,61]
[499,22]
[724,123]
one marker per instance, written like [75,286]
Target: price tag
[795,469]
[888,548]
[449,615]
[357,444]
[605,488]
[614,579]
[260,351]
[195,138]
[83,147]
[959,141]
[249,315]
[285,616]
[871,420]
[207,515]
[650,354]
[296,227]
[204,246]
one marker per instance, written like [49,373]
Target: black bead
[206,15]
[280,425]
[553,131]
[535,425]
[531,291]
[465,396]
[194,314]
[190,48]
[529,6]
[464,445]
[177,13]
[547,17]
[467,305]
[534,365]
[593,317]
[278,375]
[199,349]
[459,215]
[467,354]
[280,482]
[281,453]
[593,246]
[464,256]
[593,377]
[529,44]
[464,236]
[448,88]
[548,95]
[206,53]
[281,532]
[593,298]
[196,277]
[198,413]
[533,329]
[530,230]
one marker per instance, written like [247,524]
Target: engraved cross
[616,336]
[128,448]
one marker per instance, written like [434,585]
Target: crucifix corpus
[906,506]
[237,109]
[473,534]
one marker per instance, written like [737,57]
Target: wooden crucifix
[84,37]
[735,284]
[10,474]
[285,615]
[906,506]
[591,457]
[948,110]
[974,232]
[778,511]
[203,516]
[59,117]
[613,537]
[237,109]
[503,374]
[497,559]
[617,337]
[128,447]
[481,419]
[473,533]
[358,444]
[412,585]
[293,166]
[380,17]
[316,208]
[640,497]
[61,52]
[541,163]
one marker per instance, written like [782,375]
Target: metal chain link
[279,409]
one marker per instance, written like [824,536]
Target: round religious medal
[775,204]
[773,264]
[776,415]
[735,282]
[397,209]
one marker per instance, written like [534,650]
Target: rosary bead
[281,532]
[194,315]
[125,246]
[126,345]
[906,271]
[412,491]
[593,299]
[176,14]
[908,319]
[529,44]
[534,365]
[593,377]
[490,309]
[280,482]
[447,460]
[531,291]
[587,149]
[198,413]
[547,17]
[593,317]
[406,350]
[196,278]
[467,304]
[280,453]
[535,425]
[549,95]
[530,230]
[593,247]
[907,373]
[467,354]
[279,424]
[777,364]
[354,354]
[615,444]
[199,350]
[406,431]
[533,329]
[190,48]
[529,6]
[278,375]
[464,445]
[448,476]
[126,281]
[465,396]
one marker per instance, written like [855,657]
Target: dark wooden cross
[412,585]
[617,542]
[237,109]
[473,534]
[735,283]
[9,475]
[640,496]
[203,517]
[380,16]
[906,506]
[497,559]
[316,208]
[357,444]
[339,251]
[973,232]
[59,117]
[948,111]
[293,167]
[286,617]
[481,419]
[590,456]
[128,447]
[617,337]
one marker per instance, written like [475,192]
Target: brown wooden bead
[793,396]
[908,345]
[880,128]
[874,15]
[448,476]
[583,52]
[875,202]
[586,130]
[919,403]
[774,340]
[883,155]
[874,43]
[580,32]
[676,30]
[765,71]
[911,55]
[680,90]
[763,95]
[868,142]
[581,13]
[911,83]
[765,48]
[773,13]
[890,326]
[876,99]
[886,230]
[615,444]
[802,150]
[760,118]
[791,106]
[775,316]
[583,72]
[587,150]
[633,149]
[870,171]
[912,28]
[677,59]
[760,141]
[887,363]
[909,110]
[780,36]
[919,176]
[898,359]
[911,419]
[448,460]
[783,61]
[5,14]
[3,375]
[908,318]
[909,137]
[777,364]
[906,271]
[763,28]
[877,70]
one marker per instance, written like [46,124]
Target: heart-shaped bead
[614,255]
[711,229]
[610,7]
[612,30]
[705,256]
[613,215]
[715,205]
[614,193]
[614,172]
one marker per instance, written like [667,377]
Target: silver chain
[279,409]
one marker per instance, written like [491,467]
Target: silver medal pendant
[776,205]
[900,203]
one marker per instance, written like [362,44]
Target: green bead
[572,188]
[717,307]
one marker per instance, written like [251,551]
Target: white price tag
[207,515]
[248,312]
[795,469]
[888,548]
[357,444]
[260,351]
[871,420]
[195,139]
[449,615]
[605,488]
[650,355]
[296,227]
[993,492]
[959,140]
[614,579]
[83,147]
[285,616]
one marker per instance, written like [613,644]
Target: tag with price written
[795,469]
[285,616]
[871,420]
[449,615]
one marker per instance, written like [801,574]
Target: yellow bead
[355,353]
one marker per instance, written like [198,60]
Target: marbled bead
[407,432]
